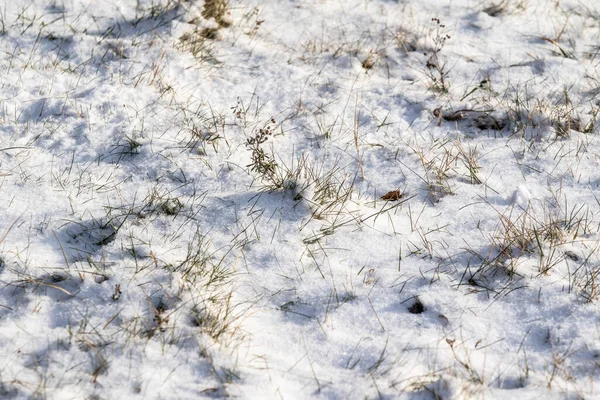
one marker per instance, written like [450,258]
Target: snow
[191,203]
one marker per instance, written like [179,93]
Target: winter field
[285,199]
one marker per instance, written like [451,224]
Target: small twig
[62,250]
[8,230]
[376,316]
[362,172]
[65,291]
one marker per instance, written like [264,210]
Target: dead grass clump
[217,10]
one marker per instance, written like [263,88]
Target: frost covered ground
[290,199]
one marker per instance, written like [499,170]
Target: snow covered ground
[263,199]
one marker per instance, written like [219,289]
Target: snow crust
[146,252]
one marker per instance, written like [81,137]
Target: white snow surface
[145,254]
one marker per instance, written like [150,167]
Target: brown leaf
[394,195]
